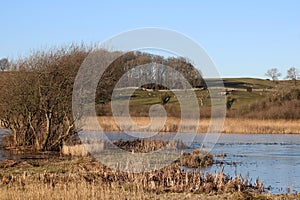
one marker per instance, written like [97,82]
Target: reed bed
[86,178]
[231,125]
[254,126]
[89,173]
[134,146]
[144,146]
[82,191]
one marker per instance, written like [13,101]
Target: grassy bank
[85,178]
[231,125]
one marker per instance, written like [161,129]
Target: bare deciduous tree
[293,74]
[36,98]
[273,73]
[36,94]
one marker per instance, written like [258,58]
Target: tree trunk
[47,134]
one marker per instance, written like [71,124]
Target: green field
[236,88]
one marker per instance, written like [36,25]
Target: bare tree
[293,74]
[273,73]
[36,99]
[36,94]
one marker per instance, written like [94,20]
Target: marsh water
[274,159]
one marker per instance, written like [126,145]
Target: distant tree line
[153,69]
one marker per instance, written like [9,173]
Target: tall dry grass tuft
[74,150]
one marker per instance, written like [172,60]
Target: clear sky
[243,38]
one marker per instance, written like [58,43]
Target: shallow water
[275,159]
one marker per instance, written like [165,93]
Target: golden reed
[231,125]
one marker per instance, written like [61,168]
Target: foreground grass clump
[195,159]
[142,146]
[86,178]
[55,173]
[84,190]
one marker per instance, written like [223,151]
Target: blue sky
[243,38]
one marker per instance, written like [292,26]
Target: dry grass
[232,125]
[196,158]
[74,150]
[255,126]
[145,146]
[87,179]
[82,191]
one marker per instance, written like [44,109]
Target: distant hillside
[248,82]
[254,83]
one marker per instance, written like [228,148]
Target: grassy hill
[248,82]
[265,95]
[256,83]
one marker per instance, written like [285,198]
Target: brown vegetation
[61,175]
[197,158]
[74,150]
[86,191]
[36,91]
[144,146]
[36,98]
[85,178]
[231,125]
[282,103]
